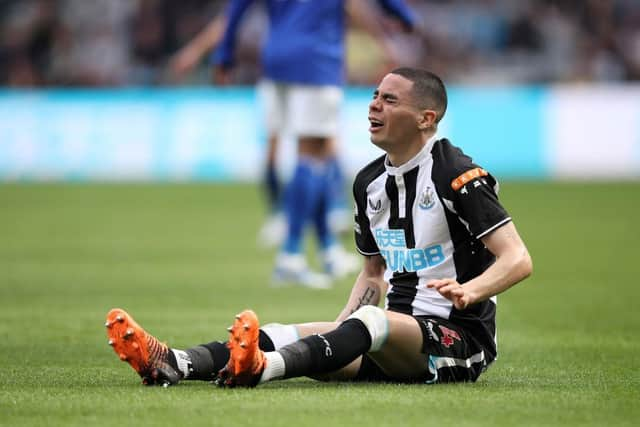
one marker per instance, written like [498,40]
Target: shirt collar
[413,162]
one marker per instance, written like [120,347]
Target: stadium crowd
[130,42]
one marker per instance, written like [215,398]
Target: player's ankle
[180,361]
[273,367]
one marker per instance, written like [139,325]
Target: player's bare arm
[190,55]
[513,264]
[368,288]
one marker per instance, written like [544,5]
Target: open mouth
[375,124]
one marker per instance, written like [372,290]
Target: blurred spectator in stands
[92,44]
[120,42]
[26,31]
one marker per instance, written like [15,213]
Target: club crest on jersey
[427,199]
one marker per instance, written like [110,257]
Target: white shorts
[303,110]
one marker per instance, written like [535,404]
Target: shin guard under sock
[320,354]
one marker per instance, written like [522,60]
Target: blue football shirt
[305,42]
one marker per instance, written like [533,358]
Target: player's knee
[376,322]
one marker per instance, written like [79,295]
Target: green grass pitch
[183,260]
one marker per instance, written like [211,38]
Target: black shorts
[450,354]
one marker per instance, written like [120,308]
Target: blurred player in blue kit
[303,74]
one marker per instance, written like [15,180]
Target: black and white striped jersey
[425,218]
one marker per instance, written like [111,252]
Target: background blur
[540,92]
[539,89]
[128,42]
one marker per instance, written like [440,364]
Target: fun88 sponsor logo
[393,248]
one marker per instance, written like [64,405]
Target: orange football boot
[246,360]
[146,355]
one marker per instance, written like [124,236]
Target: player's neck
[407,152]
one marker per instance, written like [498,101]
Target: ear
[427,119]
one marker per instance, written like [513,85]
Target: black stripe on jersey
[404,284]
[365,243]
[471,257]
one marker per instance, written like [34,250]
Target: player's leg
[451,353]
[305,191]
[339,354]
[401,356]
[301,200]
[303,195]
[423,349]
[340,211]
[317,354]
[402,347]
[159,364]
[203,362]
[336,354]
[272,100]
[317,113]
[315,118]
[352,371]
[271,179]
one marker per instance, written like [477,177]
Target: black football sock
[207,359]
[203,360]
[319,354]
[264,342]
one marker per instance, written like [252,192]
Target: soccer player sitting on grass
[436,241]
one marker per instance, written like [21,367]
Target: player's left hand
[451,290]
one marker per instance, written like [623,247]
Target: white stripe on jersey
[402,196]
[429,301]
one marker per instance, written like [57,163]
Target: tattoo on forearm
[366,298]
